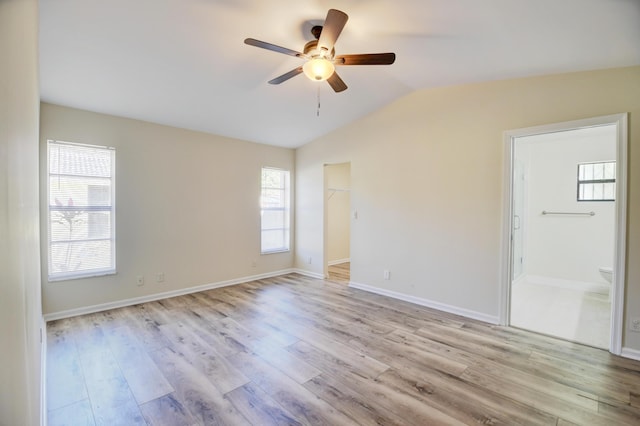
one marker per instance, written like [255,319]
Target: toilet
[607,273]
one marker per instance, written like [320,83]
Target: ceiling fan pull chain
[318,110]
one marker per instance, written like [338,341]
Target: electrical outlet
[387,274]
[160,277]
[140,280]
[254,264]
[635,324]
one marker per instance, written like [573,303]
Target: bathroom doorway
[565,202]
[338,222]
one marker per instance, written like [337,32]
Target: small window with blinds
[274,211]
[597,181]
[81,210]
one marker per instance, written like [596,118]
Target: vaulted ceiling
[183,63]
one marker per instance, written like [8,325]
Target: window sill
[275,251]
[79,277]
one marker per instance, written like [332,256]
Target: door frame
[619,279]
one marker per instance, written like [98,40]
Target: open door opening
[565,214]
[337,222]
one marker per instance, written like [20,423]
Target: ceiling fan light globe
[318,69]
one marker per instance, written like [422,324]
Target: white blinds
[81,210]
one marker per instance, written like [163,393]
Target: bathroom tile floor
[573,315]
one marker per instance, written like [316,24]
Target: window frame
[87,273]
[581,182]
[286,209]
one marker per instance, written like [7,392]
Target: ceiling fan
[320,54]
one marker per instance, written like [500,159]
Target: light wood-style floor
[340,273]
[294,350]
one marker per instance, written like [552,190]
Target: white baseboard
[43,372]
[589,287]
[630,353]
[428,303]
[521,278]
[338,261]
[308,273]
[164,295]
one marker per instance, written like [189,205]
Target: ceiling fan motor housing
[312,51]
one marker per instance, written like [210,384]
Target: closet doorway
[337,247]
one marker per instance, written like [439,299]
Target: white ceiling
[183,63]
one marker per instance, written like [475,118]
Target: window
[81,214]
[274,210]
[597,181]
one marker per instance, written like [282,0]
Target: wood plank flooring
[298,351]
[340,273]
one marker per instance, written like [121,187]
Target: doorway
[337,222]
[565,229]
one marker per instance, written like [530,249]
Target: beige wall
[338,178]
[187,205]
[426,180]
[20,307]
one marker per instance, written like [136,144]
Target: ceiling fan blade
[336,83]
[331,29]
[366,59]
[286,76]
[269,46]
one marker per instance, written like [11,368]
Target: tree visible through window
[274,211]
[81,193]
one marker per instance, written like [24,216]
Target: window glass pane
[68,225]
[588,171]
[610,170]
[99,225]
[598,190]
[79,191]
[273,198]
[80,256]
[79,160]
[598,171]
[273,240]
[588,191]
[609,191]
[272,179]
[99,194]
[273,219]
